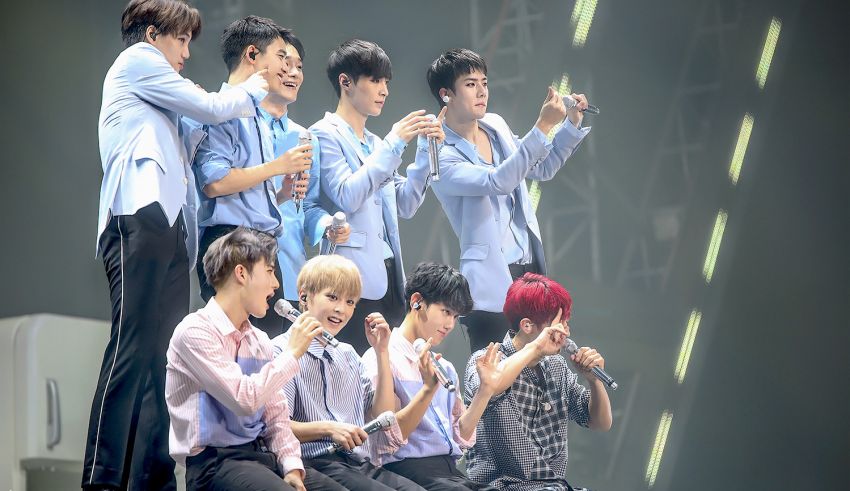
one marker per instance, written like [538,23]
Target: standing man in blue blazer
[358,176]
[483,166]
[147,234]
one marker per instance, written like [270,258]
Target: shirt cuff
[465,443]
[539,135]
[210,173]
[396,144]
[289,464]
[257,93]
[287,363]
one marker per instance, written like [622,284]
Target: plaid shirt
[522,436]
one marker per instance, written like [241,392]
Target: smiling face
[332,310]
[469,98]
[259,286]
[174,48]
[274,59]
[435,321]
[367,95]
[293,77]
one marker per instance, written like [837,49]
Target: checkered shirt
[522,436]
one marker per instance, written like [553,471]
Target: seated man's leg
[220,469]
[317,480]
[439,473]
[359,476]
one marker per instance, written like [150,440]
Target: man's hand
[377,332]
[347,435]
[295,160]
[489,371]
[552,338]
[436,128]
[299,186]
[584,360]
[338,235]
[413,124]
[575,113]
[553,112]
[257,80]
[293,478]
[426,366]
[301,333]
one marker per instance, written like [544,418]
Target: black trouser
[438,473]
[148,273]
[485,327]
[391,306]
[249,467]
[357,476]
[271,324]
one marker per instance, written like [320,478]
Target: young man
[147,234]
[482,187]
[305,222]
[359,177]
[229,418]
[436,294]
[522,437]
[331,398]
[236,164]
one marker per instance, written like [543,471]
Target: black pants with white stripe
[148,272]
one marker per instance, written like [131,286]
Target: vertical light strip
[583,22]
[534,194]
[767,51]
[714,246]
[577,8]
[741,148]
[658,448]
[687,346]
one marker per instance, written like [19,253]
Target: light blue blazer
[372,194]
[145,150]
[465,188]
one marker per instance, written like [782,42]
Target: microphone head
[419,345]
[571,347]
[386,418]
[284,308]
[338,219]
[305,137]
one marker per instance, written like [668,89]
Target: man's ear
[150,34]
[240,272]
[526,326]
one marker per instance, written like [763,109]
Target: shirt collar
[317,350]
[222,322]
[509,349]
[405,347]
[465,146]
[270,120]
[349,131]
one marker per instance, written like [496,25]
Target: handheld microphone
[442,376]
[571,103]
[434,155]
[304,138]
[287,311]
[337,223]
[600,373]
[382,422]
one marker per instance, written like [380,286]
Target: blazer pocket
[475,252]
[144,152]
[356,239]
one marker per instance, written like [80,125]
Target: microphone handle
[434,158]
[442,376]
[604,377]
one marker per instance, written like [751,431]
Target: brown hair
[243,246]
[172,17]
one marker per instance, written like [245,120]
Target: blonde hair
[332,271]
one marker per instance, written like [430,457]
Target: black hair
[439,283]
[174,17]
[256,31]
[450,66]
[357,58]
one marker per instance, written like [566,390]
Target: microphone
[434,155]
[304,138]
[600,373]
[336,224]
[442,376]
[287,311]
[382,422]
[571,103]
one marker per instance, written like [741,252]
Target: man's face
[259,287]
[273,59]
[331,309]
[294,76]
[174,48]
[436,321]
[469,101]
[368,95]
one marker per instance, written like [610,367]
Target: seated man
[522,438]
[331,398]
[436,295]
[235,164]
[229,418]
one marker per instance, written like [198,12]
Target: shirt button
[380,236]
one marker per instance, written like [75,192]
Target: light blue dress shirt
[302,224]
[239,143]
[145,150]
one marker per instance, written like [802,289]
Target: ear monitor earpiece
[252,55]
[303,298]
[153,35]
[346,82]
[416,306]
[446,99]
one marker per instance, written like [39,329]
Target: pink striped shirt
[223,387]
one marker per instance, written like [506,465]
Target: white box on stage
[49,366]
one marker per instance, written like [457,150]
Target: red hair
[537,298]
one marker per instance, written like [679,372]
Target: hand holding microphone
[348,438]
[335,229]
[287,311]
[588,360]
[435,137]
[304,138]
[421,346]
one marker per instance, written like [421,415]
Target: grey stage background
[765,403]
